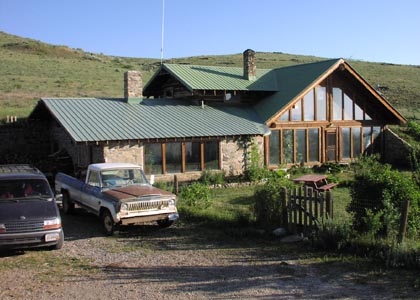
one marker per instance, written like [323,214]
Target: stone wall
[124,152]
[24,142]
[396,150]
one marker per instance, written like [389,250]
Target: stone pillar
[250,66]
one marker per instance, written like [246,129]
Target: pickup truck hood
[135,191]
[30,209]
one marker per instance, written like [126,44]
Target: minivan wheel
[60,242]
[108,222]
[68,205]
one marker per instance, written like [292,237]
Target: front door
[331,145]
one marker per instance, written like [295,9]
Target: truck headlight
[171,202]
[2,228]
[124,206]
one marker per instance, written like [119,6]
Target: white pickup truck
[119,194]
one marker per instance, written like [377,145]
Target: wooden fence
[305,207]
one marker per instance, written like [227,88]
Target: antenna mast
[163,30]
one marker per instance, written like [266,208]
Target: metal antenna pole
[163,30]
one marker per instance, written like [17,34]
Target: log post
[329,204]
[176,186]
[283,199]
[403,221]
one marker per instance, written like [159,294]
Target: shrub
[268,202]
[377,196]
[164,186]
[334,234]
[254,169]
[195,195]
[212,177]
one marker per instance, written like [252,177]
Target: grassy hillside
[31,69]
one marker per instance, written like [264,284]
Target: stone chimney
[250,67]
[133,87]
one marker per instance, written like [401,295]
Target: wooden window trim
[163,149]
[183,163]
[202,167]
[315,104]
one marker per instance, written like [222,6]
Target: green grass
[31,69]
[52,264]
[232,206]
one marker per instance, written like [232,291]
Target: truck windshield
[24,188]
[122,177]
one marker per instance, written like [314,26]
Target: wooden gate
[305,207]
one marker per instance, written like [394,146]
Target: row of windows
[314,107]
[180,157]
[303,145]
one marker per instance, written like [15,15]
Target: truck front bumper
[149,218]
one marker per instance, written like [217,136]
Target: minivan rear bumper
[30,239]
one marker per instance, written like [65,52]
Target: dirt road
[187,262]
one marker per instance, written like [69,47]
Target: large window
[211,155]
[300,145]
[295,146]
[288,146]
[321,101]
[173,157]
[309,106]
[192,156]
[274,147]
[297,111]
[337,104]
[153,158]
[181,157]
[313,137]
[367,136]
[345,143]
[357,145]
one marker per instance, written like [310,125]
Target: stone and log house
[188,118]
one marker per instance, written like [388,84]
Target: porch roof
[94,119]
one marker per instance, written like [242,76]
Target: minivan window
[27,188]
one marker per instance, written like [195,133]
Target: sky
[369,30]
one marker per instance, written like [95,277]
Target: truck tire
[68,205]
[108,222]
[164,223]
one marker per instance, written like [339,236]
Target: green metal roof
[196,77]
[93,119]
[291,82]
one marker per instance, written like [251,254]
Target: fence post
[403,221]
[176,187]
[329,205]
[284,214]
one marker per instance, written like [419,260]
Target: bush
[164,186]
[212,177]
[268,202]
[334,234]
[254,168]
[195,195]
[377,196]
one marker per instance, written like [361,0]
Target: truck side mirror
[152,179]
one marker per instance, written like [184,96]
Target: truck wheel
[108,222]
[165,223]
[68,205]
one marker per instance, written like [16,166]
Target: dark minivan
[29,216]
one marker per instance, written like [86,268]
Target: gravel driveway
[187,262]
